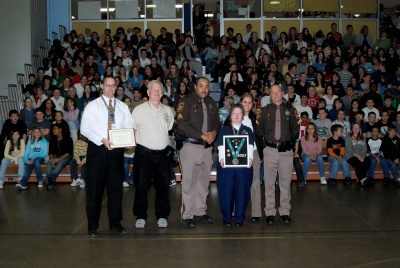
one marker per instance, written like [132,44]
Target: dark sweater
[61,147]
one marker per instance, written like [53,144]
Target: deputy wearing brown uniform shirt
[197,125]
[279,125]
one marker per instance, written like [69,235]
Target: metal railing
[15,96]
[62,30]
[6,105]
[54,35]
[28,70]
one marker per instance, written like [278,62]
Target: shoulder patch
[180,107]
[180,116]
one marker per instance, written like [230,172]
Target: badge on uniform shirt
[166,117]
[195,108]
[287,113]
[180,107]
[296,113]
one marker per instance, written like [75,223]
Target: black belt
[196,141]
[278,145]
[145,149]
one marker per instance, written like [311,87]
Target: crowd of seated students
[336,80]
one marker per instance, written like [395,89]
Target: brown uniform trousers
[196,164]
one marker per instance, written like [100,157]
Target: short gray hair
[154,82]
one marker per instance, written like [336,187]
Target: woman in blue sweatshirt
[36,150]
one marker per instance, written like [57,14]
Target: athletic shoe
[74,183]
[162,223]
[323,181]
[364,181]
[172,183]
[125,184]
[140,223]
[20,187]
[81,183]
[40,184]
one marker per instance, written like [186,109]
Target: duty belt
[197,141]
[279,145]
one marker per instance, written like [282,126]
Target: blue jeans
[307,162]
[127,162]
[335,164]
[394,168]
[73,167]
[53,172]
[383,163]
[36,164]
[6,162]
[210,65]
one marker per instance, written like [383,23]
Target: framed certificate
[236,150]
[121,138]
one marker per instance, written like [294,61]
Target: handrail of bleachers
[62,30]
[54,35]
[48,45]
[16,96]
[42,53]
[35,62]
[21,77]
[6,105]
[28,70]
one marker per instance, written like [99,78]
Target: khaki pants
[281,162]
[196,164]
[255,192]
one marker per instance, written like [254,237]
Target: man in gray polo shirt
[151,123]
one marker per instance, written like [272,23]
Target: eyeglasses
[108,85]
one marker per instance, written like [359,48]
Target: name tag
[113,126]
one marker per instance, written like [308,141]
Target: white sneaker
[1,185]
[140,223]
[323,181]
[81,183]
[40,184]
[125,184]
[162,223]
[74,183]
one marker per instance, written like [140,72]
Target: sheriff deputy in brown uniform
[197,127]
[279,125]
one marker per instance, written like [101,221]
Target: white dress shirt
[94,123]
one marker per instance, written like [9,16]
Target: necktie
[204,127]
[111,116]
[278,123]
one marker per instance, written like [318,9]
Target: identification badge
[113,126]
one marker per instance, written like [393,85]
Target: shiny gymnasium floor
[332,227]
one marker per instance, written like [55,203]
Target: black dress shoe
[205,218]
[270,220]
[227,224]
[188,223]
[331,182]
[286,219]
[92,232]
[239,224]
[119,229]
[255,219]
[301,184]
